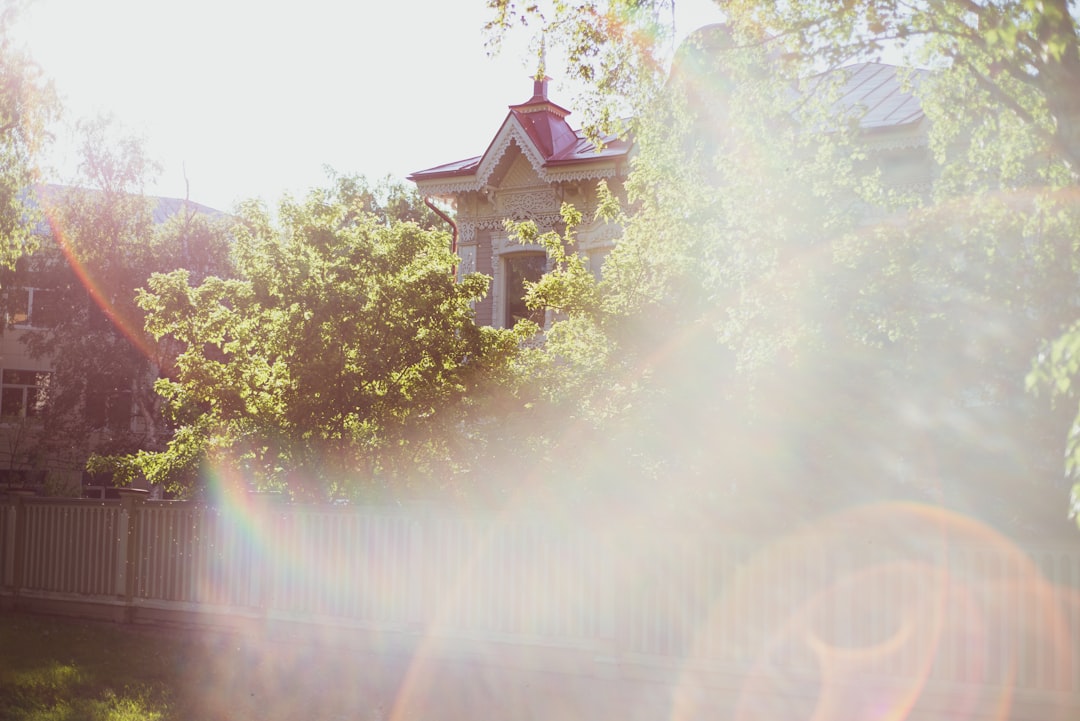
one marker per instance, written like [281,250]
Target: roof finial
[541,69]
[540,79]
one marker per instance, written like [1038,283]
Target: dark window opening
[108,404]
[16,478]
[97,318]
[522,267]
[45,309]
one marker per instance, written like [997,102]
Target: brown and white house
[534,164]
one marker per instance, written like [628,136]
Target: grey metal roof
[879,95]
[163,208]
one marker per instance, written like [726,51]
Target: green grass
[54,669]
[62,670]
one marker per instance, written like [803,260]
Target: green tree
[104,244]
[340,359]
[27,105]
[1020,56]
[387,200]
[1009,170]
[614,48]
[862,329]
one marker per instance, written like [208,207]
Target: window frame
[32,395]
[504,250]
[508,299]
[29,318]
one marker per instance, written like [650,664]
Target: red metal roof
[458,167]
[544,123]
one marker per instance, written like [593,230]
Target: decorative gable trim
[512,132]
[911,138]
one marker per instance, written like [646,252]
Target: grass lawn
[54,669]
[64,669]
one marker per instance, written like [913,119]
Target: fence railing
[892,592]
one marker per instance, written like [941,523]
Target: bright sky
[253,99]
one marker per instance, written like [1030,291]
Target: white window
[596,258]
[22,392]
[33,307]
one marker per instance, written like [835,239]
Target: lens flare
[887,612]
[130,327]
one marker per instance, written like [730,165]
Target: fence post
[127,554]
[15,544]
[8,544]
[418,595]
[608,646]
[260,590]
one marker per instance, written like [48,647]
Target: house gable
[578,160]
[538,129]
[534,163]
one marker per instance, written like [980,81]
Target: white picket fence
[893,593]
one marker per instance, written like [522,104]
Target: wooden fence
[907,597]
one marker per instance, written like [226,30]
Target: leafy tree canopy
[824,324]
[336,360]
[387,200]
[27,105]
